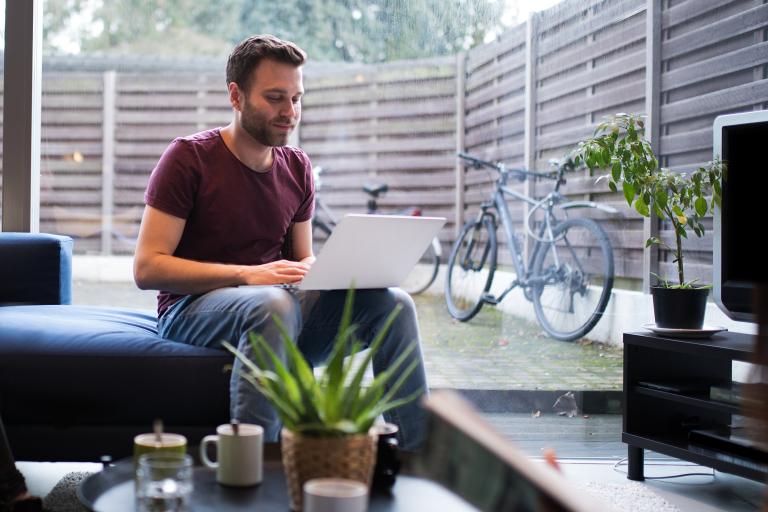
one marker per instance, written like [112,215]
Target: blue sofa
[78,382]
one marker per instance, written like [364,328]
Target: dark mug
[387,457]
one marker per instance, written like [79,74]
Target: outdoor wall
[526,98]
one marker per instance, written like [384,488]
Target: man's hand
[276,272]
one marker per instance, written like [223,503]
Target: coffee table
[113,490]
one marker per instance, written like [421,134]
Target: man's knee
[273,303]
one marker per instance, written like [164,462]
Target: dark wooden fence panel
[151,110]
[494,123]
[588,61]
[591,64]
[392,123]
[714,59]
[71,157]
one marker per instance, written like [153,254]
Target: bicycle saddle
[375,189]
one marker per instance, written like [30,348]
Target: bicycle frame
[549,202]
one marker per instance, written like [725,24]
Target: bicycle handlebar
[503,169]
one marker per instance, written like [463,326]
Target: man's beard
[260,128]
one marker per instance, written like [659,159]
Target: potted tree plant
[682,199]
[327,419]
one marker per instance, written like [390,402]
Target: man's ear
[235,96]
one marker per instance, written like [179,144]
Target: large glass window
[393,89]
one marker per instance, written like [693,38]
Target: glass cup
[163,482]
[165,442]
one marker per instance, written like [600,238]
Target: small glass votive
[335,495]
[164,482]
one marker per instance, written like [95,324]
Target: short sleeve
[307,207]
[174,181]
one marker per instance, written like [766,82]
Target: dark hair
[248,54]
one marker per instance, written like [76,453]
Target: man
[221,204]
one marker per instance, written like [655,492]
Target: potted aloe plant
[682,199]
[327,419]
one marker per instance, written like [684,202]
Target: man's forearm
[186,277]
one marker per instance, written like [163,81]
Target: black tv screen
[741,140]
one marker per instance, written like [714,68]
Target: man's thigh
[223,314]
[322,312]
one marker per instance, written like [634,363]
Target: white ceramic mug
[238,455]
[335,495]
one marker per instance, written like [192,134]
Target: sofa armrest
[35,268]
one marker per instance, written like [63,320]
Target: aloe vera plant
[336,402]
[680,198]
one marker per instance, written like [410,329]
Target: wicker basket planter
[305,457]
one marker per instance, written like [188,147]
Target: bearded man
[221,205]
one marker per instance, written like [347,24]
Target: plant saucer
[706,331]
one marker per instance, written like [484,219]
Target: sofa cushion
[63,364]
[36,268]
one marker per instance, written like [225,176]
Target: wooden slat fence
[523,99]
[714,57]
[391,123]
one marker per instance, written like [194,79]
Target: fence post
[461,74]
[529,140]
[108,161]
[653,123]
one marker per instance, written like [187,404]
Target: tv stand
[666,397]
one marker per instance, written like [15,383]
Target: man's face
[271,108]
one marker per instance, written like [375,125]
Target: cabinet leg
[635,463]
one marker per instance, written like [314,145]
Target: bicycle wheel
[470,269]
[424,274]
[573,278]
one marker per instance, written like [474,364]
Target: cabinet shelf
[692,400]
[678,446]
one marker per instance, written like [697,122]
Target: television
[739,258]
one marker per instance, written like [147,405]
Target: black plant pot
[679,308]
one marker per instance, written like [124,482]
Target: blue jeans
[312,318]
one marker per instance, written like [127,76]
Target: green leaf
[350,402]
[629,192]
[701,206]
[612,186]
[642,207]
[651,241]
[616,171]
[605,158]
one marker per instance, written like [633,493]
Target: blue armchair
[78,382]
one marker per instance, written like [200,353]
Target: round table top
[113,490]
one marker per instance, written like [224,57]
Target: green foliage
[682,199]
[336,403]
[329,30]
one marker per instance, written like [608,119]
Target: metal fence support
[653,122]
[108,161]
[461,74]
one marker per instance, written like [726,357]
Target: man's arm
[301,242]
[155,267]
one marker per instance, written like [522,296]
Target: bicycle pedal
[490,299]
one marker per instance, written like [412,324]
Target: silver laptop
[371,251]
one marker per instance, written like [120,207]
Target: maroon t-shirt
[234,214]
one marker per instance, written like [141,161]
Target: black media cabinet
[661,419]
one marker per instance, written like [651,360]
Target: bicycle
[324,220]
[569,274]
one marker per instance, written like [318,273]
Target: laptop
[371,251]
[468,456]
